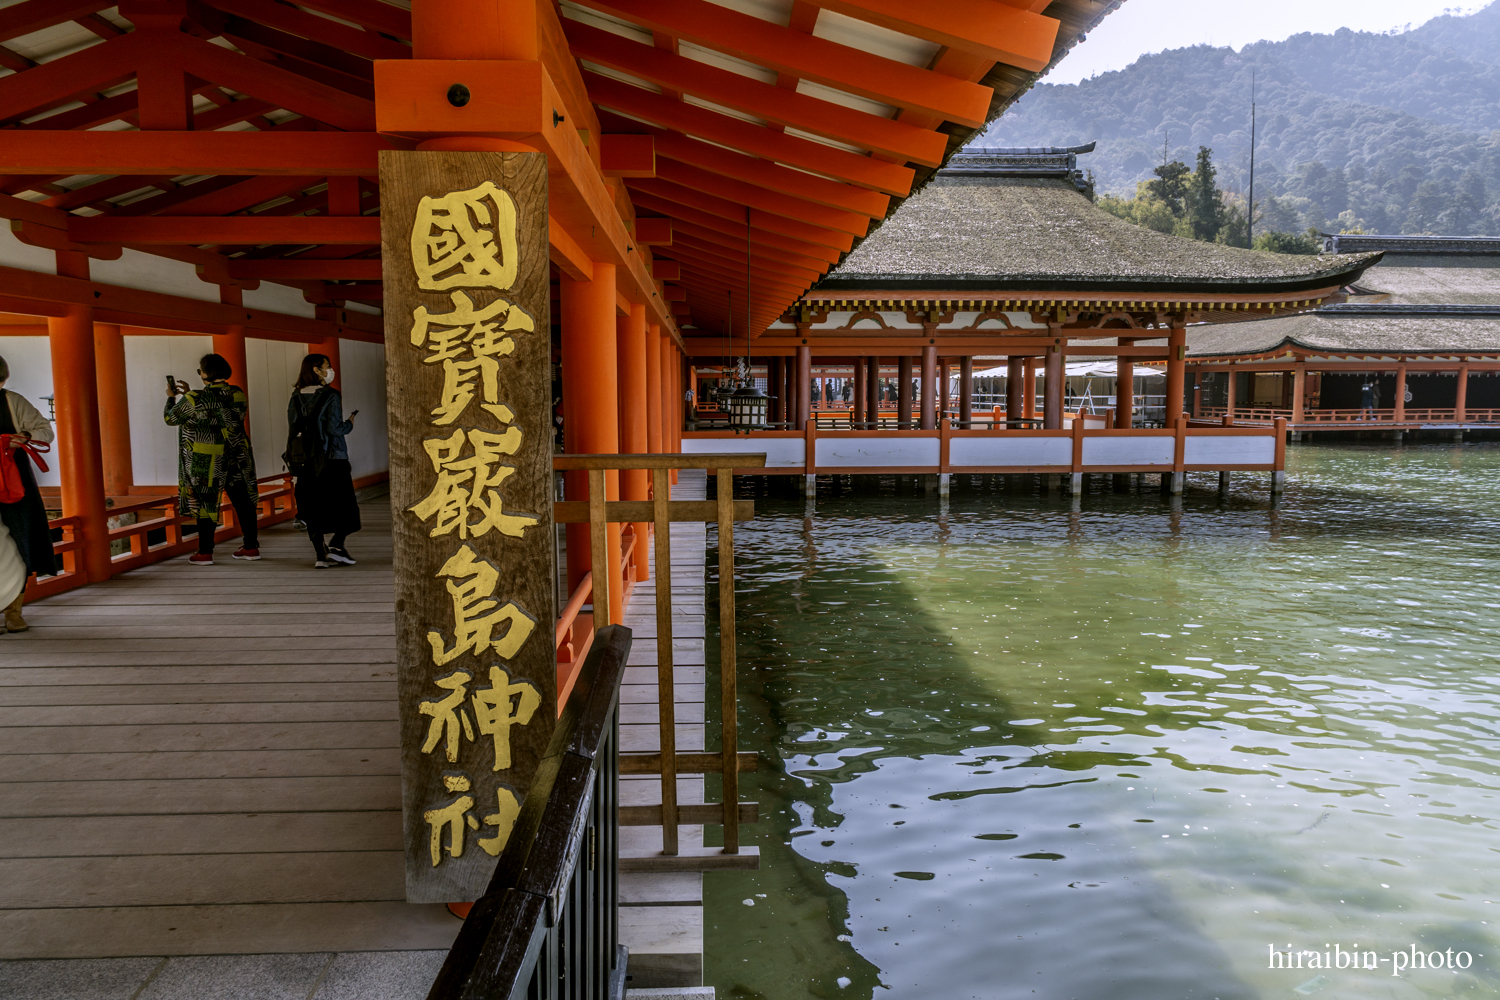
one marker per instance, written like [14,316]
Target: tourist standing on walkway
[318,456]
[214,457]
[25,540]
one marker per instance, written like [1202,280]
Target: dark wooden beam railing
[547,928]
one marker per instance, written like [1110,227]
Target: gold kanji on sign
[453,816]
[477,613]
[448,718]
[496,713]
[465,239]
[470,484]
[468,342]
[503,819]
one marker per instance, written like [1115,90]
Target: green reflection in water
[1012,749]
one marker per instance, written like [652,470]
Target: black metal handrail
[547,928]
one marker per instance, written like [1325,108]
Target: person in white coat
[25,539]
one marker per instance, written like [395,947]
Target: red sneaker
[249,555]
[201,559]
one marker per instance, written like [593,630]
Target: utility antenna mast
[1250,204]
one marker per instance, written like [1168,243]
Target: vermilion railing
[157,513]
[1360,415]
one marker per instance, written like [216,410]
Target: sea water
[1019,746]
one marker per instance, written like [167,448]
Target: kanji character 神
[495,713]
[465,239]
[477,613]
[447,714]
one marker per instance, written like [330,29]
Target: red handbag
[12,488]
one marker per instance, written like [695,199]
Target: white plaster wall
[1002,450]
[1128,450]
[363,381]
[152,274]
[278,298]
[842,452]
[14,253]
[148,361]
[30,361]
[1215,449]
[780,452]
[273,366]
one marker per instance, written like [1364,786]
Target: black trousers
[244,512]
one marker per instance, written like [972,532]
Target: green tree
[1297,243]
[1171,186]
[1204,202]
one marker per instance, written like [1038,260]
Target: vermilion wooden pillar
[858,413]
[75,387]
[591,408]
[903,392]
[1028,366]
[1125,387]
[1176,369]
[872,394]
[230,345]
[1015,388]
[630,348]
[928,398]
[114,409]
[804,386]
[965,391]
[654,428]
[1052,402]
[1399,413]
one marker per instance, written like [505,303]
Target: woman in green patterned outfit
[214,457]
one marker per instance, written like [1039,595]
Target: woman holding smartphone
[325,488]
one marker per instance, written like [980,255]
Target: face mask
[328,376]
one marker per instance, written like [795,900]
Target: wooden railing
[151,514]
[548,926]
[575,625]
[1361,415]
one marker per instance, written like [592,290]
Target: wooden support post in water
[475,584]
[728,683]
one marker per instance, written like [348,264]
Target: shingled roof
[1008,228]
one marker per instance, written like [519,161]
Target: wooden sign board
[467,340]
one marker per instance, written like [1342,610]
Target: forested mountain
[1382,132]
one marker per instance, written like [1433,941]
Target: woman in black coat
[325,487]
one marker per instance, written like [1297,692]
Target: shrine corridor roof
[992,233]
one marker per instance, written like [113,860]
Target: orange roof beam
[764,100]
[808,57]
[729,210]
[995,30]
[763,173]
[177,153]
[247,229]
[735,231]
[758,140]
[700,236]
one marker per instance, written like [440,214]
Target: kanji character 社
[447,714]
[508,808]
[453,815]
[465,239]
[477,613]
[495,712]
[471,484]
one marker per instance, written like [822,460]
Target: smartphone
[353,415]
[172,384]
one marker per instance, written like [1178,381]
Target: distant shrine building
[1004,260]
[1416,347]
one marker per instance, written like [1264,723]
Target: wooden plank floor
[203,760]
[661,914]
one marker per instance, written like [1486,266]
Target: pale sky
[1142,26]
